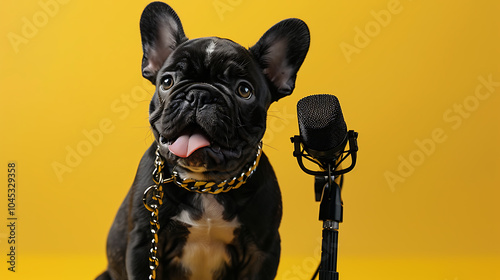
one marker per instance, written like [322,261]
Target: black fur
[204,97]
[129,239]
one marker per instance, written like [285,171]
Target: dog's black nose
[200,97]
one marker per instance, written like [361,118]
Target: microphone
[322,126]
[322,140]
[323,135]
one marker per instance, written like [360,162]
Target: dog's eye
[245,90]
[167,83]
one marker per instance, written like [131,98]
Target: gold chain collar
[190,185]
[206,186]
[224,186]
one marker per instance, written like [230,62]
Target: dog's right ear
[161,33]
[280,53]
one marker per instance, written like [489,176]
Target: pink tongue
[186,144]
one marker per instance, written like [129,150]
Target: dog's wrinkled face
[208,113]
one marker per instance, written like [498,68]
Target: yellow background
[77,71]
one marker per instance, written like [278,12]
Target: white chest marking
[205,250]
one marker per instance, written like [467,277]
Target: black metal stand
[328,267]
[331,213]
[328,192]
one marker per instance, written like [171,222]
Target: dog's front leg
[137,258]
[254,264]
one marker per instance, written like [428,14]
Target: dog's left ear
[280,53]
[161,33]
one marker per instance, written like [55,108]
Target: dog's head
[208,113]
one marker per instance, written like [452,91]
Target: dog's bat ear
[280,53]
[161,33]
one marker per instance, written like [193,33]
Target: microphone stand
[331,208]
[330,212]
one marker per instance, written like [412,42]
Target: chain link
[154,207]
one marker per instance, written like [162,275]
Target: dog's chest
[205,252]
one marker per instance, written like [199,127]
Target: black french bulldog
[208,116]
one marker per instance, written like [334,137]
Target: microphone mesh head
[321,123]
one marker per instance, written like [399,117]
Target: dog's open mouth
[188,143]
[194,150]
